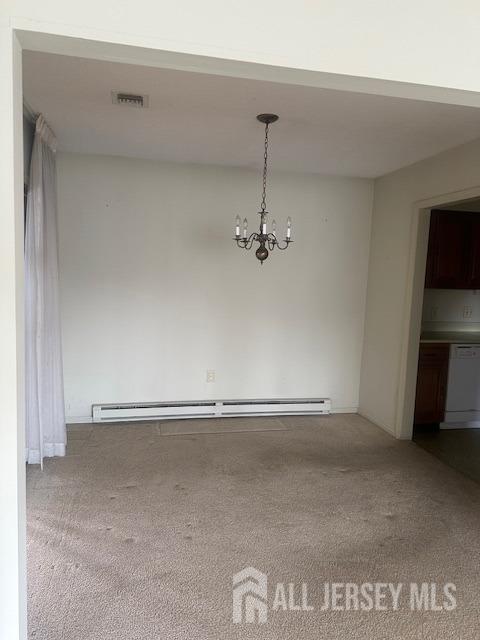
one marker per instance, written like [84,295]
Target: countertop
[451,337]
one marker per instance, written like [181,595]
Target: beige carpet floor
[135,534]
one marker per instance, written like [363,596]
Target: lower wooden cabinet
[431,383]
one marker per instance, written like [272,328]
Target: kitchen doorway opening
[443,357]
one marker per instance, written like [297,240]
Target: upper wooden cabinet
[453,251]
[474,262]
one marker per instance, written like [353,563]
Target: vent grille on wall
[209,409]
[130,99]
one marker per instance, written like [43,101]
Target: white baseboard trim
[344,410]
[382,426]
[89,419]
[461,420]
[469,424]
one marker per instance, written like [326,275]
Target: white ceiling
[194,117]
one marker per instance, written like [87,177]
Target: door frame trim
[412,320]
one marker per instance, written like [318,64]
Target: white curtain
[45,412]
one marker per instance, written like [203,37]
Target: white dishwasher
[463,388]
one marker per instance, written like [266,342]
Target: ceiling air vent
[130,99]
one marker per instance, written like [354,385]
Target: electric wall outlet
[210,375]
[467,311]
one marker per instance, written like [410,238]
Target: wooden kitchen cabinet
[431,383]
[474,260]
[453,251]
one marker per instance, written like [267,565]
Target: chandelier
[263,238]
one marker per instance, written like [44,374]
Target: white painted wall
[389,282]
[154,292]
[12,431]
[420,41]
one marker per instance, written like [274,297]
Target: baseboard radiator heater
[210,409]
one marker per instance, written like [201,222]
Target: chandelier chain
[265,160]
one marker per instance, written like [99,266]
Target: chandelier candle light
[264,239]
